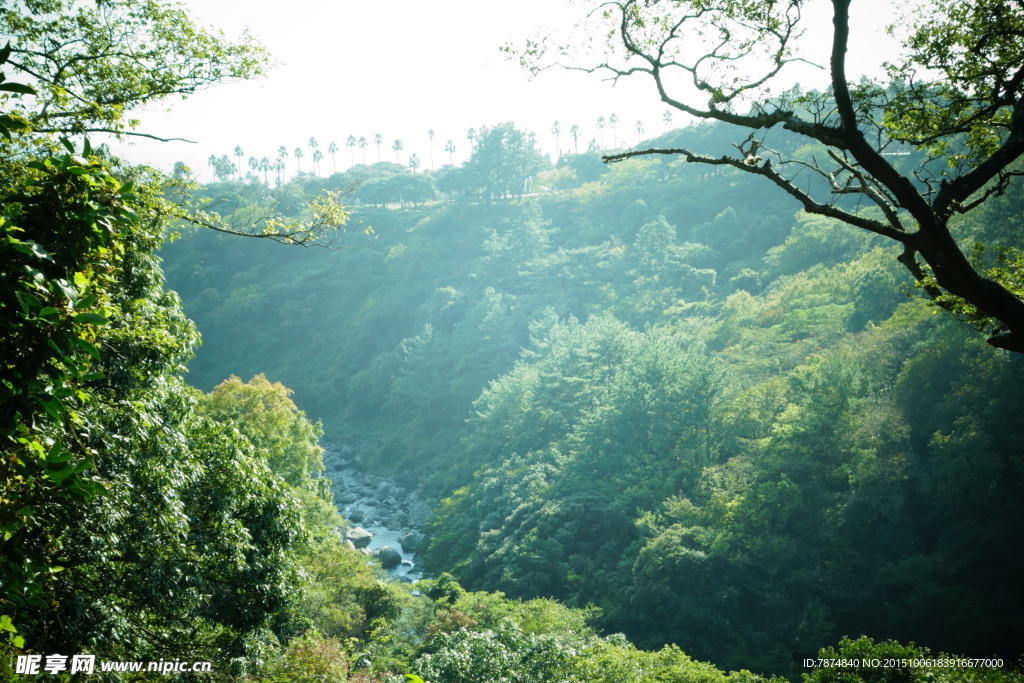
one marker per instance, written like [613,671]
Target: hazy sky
[402,67]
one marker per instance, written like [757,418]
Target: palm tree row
[598,144]
[223,168]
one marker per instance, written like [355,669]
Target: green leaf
[88,348]
[18,88]
[30,247]
[61,475]
[91,319]
[57,454]
[28,301]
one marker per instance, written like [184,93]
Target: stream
[394,515]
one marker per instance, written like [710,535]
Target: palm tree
[450,148]
[351,144]
[414,162]
[254,164]
[639,128]
[318,156]
[557,130]
[378,140]
[471,136]
[332,149]
[212,163]
[313,147]
[265,166]
[362,148]
[239,153]
[600,128]
[430,134]
[282,153]
[397,146]
[613,121]
[298,158]
[667,118]
[574,132]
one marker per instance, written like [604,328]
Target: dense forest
[618,406]
[675,420]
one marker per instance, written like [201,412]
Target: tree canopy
[92,65]
[956,98]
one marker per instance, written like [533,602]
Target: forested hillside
[658,390]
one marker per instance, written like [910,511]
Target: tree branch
[766,170]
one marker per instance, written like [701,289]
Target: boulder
[356,515]
[419,513]
[348,499]
[360,537]
[411,541]
[382,491]
[388,557]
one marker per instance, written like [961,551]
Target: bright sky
[403,67]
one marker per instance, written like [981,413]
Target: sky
[403,67]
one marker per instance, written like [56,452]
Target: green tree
[282,154]
[83,88]
[91,482]
[351,144]
[504,159]
[430,135]
[318,156]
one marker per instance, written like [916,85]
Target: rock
[356,515]
[410,542]
[388,557]
[382,491]
[360,537]
[419,513]
[348,499]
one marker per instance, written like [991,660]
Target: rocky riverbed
[383,514]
